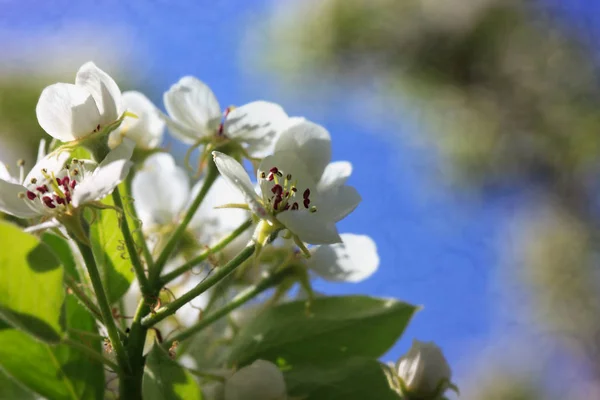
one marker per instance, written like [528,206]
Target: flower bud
[261,380]
[424,371]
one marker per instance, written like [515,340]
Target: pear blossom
[146,130]
[69,112]
[162,194]
[261,380]
[353,260]
[299,189]
[195,115]
[424,371]
[54,188]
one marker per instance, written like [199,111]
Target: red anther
[270,177]
[58,181]
[295,206]
[48,202]
[306,194]
[31,195]
[220,131]
[277,189]
[286,194]
[59,200]
[277,201]
[42,189]
[73,183]
[274,170]
[68,198]
[306,203]
[65,181]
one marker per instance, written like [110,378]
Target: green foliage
[32,298]
[110,253]
[11,389]
[56,372]
[350,379]
[333,328]
[164,379]
[63,251]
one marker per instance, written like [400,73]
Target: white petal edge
[67,112]
[353,260]
[191,103]
[335,174]
[255,120]
[53,223]
[146,130]
[312,228]
[110,172]
[10,202]
[233,172]
[104,90]
[311,142]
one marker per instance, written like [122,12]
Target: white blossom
[261,380]
[353,260]
[146,129]
[195,114]
[424,371]
[54,188]
[69,112]
[299,188]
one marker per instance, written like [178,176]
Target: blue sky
[438,246]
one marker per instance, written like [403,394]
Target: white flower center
[284,194]
[54,190]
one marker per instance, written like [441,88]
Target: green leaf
[334,328]
[31,291]
[352,379]
[164,379]
[55,372]
[110,253]
[60,247]
[11,389]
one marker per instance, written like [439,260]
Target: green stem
[130,387]
[139,232]
[239,300]
[91,353]
[211,175]
[202,287]
[83,298]
[204,255]
[107,318]
[136,262]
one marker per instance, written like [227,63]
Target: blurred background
[473,127]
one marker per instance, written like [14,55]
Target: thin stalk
[138,231]
[136,262]
[239,300]
[92,354]
[103,304]
[202,287]
[204,255]
[130,387]
[83,298]
[211,176]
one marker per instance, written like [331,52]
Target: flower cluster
[198,243]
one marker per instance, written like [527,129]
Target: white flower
[146,130]
[195,114]
[162,194]
[69,112]
[261,380]
[424,371]
[53,189]
[299,188]
[353,260]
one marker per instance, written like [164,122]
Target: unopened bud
[424,371]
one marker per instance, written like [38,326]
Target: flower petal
[259,122]
[161,190]
[5,175]
[52,162]
[335,174]
[67,112]
[53,223]
[10,202]
[110,172]
[237,177]
[311,143]
[286,163]
[146,130]
[353,260]
[191,103]
[311,228]
[103,89]
[338,202]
